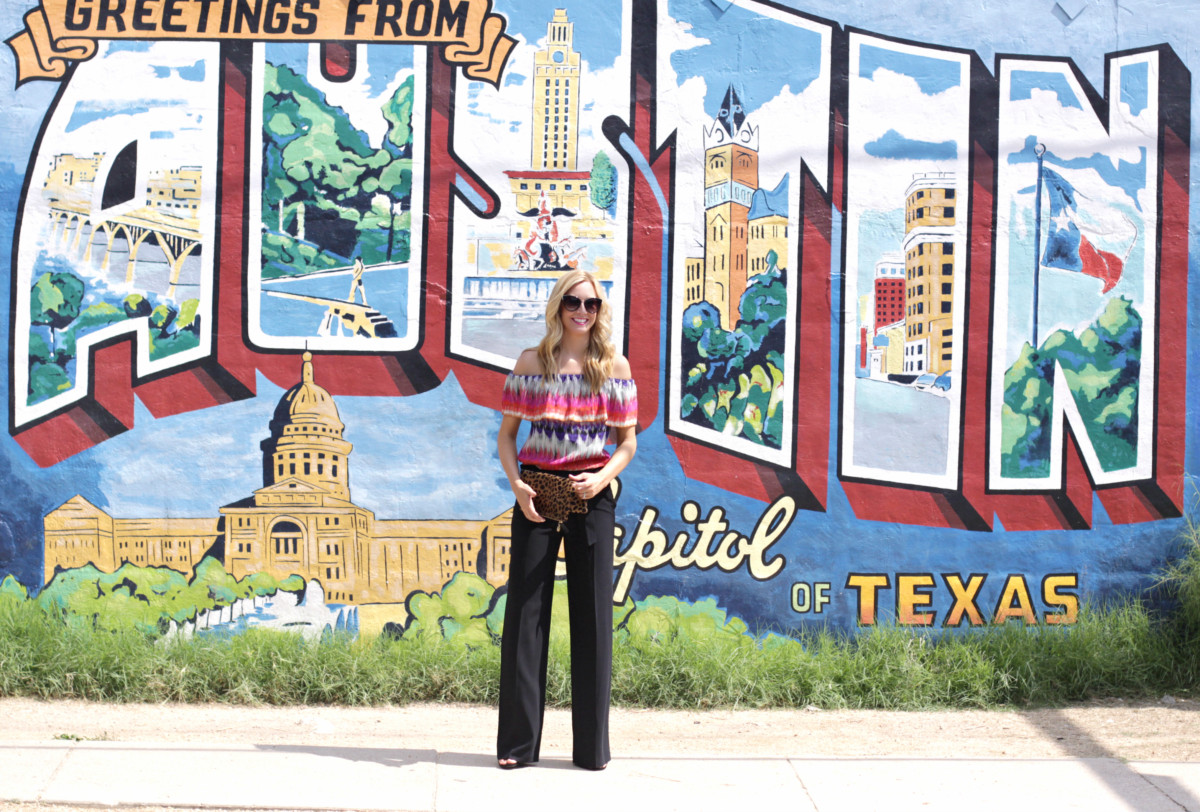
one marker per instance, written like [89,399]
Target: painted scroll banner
[59,32]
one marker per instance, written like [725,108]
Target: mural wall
[908,298]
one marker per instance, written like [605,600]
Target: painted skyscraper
[556,97]
[929,217]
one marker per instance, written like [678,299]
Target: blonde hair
[597,367]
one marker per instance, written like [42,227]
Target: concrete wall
[264,293]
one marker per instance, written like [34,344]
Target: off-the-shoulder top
[569,422]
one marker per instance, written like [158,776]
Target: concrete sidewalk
[292,776]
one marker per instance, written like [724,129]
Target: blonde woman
[579,396]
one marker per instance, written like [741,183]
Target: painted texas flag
[1077,232]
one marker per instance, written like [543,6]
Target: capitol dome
[307,408]
[306,448]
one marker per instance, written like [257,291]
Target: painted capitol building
[302,521]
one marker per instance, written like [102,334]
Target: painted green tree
[321,170]
[57,302]
[1102,368]
[148,598]
[470,611]
[12,590]
[602,183]
[395,179]
[459,611]
[733,379]
[54,302]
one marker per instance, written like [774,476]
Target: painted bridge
[177,237]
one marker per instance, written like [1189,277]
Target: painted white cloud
[894,101]
[674,36]
[176,106]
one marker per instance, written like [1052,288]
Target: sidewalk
[427,770]
[296,777]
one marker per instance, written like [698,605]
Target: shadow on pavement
[385,756]
[1081,744]
[401,757]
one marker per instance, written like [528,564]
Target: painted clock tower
[730,180]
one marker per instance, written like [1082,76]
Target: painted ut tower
[730,180]
[556,97]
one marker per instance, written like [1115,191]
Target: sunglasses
[571,304]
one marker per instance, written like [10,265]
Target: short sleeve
[620,402]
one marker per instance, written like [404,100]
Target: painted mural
[908,300]
[742,123]
[118,222]
[560,200]
[334,200]
[905,235]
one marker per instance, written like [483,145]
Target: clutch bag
[554,496]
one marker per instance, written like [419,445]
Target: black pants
[526,641]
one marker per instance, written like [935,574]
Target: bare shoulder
[527,363]
[621,368]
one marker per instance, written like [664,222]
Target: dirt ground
[1167,730]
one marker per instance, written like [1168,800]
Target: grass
[1124,649]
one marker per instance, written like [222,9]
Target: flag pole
[1039,151]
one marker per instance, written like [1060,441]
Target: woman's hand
[588,485]
[525,495]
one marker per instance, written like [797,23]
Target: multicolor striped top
[569,422]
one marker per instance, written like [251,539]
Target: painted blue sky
[1024,82]
[1135,87]
[1124,177]
[597,28]
[375,73]
[212,457]
[764,57]
[879,233]
[1127,176]
[907,115]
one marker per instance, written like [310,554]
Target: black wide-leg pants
[588,547]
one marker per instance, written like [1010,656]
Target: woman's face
[579,321]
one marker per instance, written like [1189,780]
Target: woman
[577,394]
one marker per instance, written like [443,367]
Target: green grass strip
[667,654]
[1115,651]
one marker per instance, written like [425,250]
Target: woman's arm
[507,448]
[506,445]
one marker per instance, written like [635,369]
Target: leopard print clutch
[554,496]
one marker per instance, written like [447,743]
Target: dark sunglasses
[571,304]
